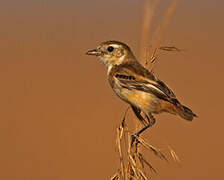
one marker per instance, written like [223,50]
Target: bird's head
[112,53]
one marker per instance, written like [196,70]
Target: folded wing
[146,82]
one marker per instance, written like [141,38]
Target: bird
[136,85]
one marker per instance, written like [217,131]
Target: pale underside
[147,102]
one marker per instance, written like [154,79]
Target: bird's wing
[142,80]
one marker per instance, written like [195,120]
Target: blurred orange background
[58,113]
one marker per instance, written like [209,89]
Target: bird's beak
[94,52]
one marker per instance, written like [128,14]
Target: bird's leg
[151,120]
[137,112]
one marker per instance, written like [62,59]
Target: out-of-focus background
[58,115]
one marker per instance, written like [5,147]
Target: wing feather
[130,79]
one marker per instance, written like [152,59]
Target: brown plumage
[136,85]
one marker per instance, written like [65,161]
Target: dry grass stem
[150,62]
[174,155]
[169,48]
[144,161]
[119,137]
[156,36]
[156,151]
[115,177]
[149,8]
[133,164]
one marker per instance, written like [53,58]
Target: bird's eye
[110,48]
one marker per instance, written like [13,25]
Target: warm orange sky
[59,115]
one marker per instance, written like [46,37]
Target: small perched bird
[136,85]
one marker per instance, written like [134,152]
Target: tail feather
[186,113]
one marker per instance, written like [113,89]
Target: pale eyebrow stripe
[115,45]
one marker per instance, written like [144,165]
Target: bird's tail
[186,113]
